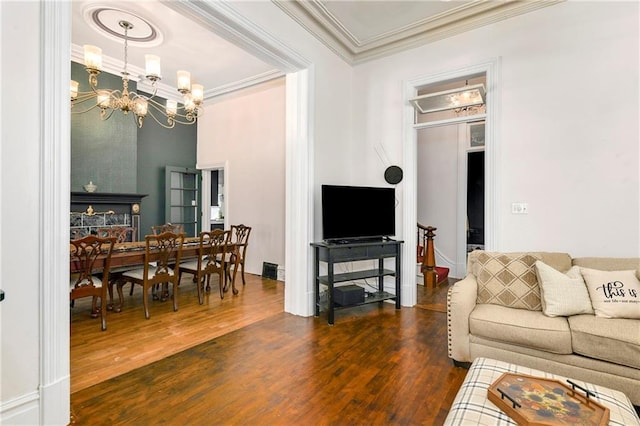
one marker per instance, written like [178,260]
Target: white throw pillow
[562,295]
[614,294]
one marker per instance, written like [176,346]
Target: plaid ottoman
[472,407]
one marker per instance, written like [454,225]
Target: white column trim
[53,259]
[409,199]
[298,295]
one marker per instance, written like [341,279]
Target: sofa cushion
[508,279]
[609,339]
[614,294]
[521,327]
[562,294]
[607,263]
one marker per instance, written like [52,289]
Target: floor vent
[269,270]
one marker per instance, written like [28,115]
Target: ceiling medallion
[106,21]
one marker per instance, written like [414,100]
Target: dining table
[128,255]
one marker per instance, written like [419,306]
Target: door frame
[205,200]
[491,69]
[51,399]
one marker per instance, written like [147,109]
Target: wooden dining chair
[211,254]
[162,252]
[90,256]
[120,233]
[167,227]
[240,240]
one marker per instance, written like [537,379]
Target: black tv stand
[354,240]
[333,252]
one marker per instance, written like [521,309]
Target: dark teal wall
[159,147]
[119,157]
[103,152]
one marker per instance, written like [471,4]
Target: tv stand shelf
[332,253]
[358,275]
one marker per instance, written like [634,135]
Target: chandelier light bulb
[92,57]
[172,108]
[102,99]
[141,107]
[197,93]
[189,105]
[184,81]
[74,89]
[152,66]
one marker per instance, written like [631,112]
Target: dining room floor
[242,360]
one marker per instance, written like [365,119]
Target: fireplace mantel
[93,210]
[105,198]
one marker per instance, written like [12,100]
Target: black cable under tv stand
[332,252]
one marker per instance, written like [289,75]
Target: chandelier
[139,105]
[468,99]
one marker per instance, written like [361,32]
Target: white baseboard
[23,410]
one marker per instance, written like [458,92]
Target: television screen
[357,212]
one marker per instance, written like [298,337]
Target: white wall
[568,127]
[335,151]
[246,130]
[437,189]
[19,208]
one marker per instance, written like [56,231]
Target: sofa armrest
[461,300]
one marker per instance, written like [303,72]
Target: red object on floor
[442,274]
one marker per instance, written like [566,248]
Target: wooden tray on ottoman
[537,401]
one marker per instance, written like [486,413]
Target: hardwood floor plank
[131,341]
[377,365]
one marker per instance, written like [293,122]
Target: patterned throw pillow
[614,294]
[508,279]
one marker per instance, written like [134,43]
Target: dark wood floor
[251,363]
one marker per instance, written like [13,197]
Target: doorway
[214,207]
[448,142]
[490,69]
[475,200]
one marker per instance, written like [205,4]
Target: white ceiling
[356,30]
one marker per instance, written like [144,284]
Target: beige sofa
[602,351]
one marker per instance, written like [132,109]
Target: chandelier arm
[171,124]
[182,118]
[82,99]
[177,119]
[104,116]
[86,110]
[147,98]
[180,113]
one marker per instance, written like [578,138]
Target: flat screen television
[357,212]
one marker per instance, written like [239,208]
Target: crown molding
[243,84]
[314,17]
[222,19]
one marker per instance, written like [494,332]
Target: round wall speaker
[393,175]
